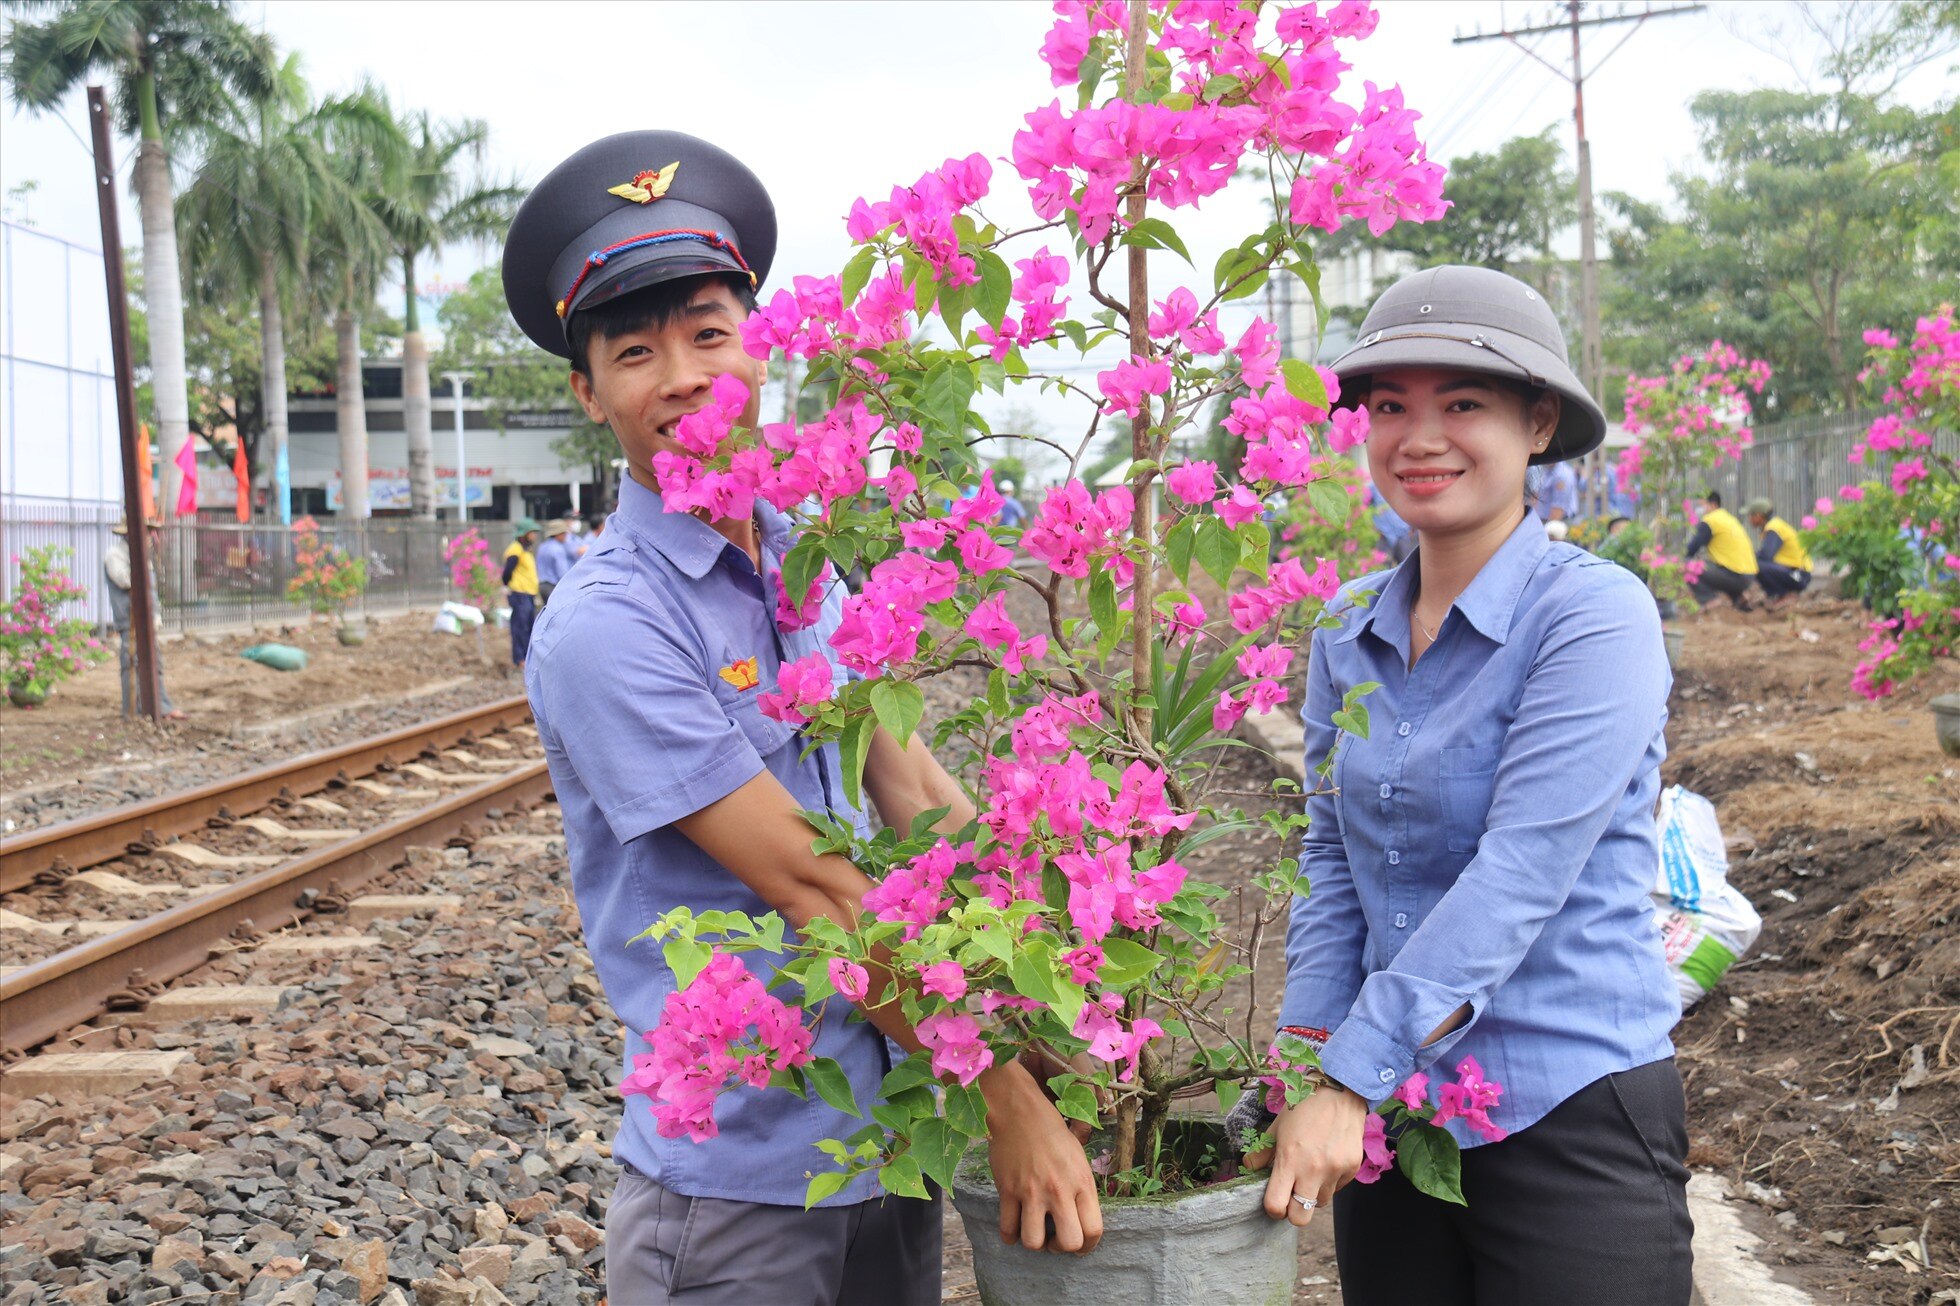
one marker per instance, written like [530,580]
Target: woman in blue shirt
[1479,871]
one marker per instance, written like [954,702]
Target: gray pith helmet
[1474,320]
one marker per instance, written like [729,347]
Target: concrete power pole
[1592,368]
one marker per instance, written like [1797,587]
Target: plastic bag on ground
[280,657]
[452,617]
[1706,923]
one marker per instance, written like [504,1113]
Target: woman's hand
[1316,1151]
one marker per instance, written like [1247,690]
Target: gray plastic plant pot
[1212,1246]
[1946,721]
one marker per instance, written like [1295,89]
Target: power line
[1591,362]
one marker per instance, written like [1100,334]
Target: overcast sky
[829,101]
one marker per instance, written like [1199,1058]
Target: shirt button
[1404,728]
[1394,857]
[1401,920]
[1386,1076]
[1387,790]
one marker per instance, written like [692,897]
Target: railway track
[226,875]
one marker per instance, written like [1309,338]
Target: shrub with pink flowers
[1333,521]
[1914,496]
[470,568]
[1685,424]
[39,648]
[326,578]
[1065,918]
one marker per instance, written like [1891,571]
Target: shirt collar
[1488,603]
[684,539]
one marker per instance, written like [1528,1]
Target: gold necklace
[1427,633]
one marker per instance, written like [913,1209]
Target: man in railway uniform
[637,259]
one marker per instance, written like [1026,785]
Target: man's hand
[1316,1152]
[1039,1167]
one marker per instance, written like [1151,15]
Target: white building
[58,433]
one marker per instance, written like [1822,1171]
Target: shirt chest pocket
[765,734]
[1467,775]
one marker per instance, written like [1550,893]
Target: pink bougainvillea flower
[1193,482]
[1413,1092]
[1240,506]
[1083,963]
[956,1046]
[800,685]
[849,979]
[943,979]
[1125,385]
[1376,1155]
[1472,1097]
[1258,354]
[915,893]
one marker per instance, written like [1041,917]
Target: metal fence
[1794,464]
[214,575]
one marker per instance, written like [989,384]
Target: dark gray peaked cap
[1475,320]
[578,240]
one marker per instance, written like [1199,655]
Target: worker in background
[555,558]
[1731,566]
[1782,562]
[1558,495]
[521,587]
[595,526]
[116,570]
[1013,513]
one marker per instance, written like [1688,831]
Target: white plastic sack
[1706,923]
[446,624]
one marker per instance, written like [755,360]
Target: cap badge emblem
[741,673]
[648,186]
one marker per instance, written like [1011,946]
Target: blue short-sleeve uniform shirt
[1490,843]
[643,674]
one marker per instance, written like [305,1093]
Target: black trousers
[1588,1205]
[1778,580]
[1716,579]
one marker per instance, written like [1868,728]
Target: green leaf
[1178,545]
[827,1184]
[832,1084]
[857,273]
[1155,233]
[901,1176]
[996,283]
[899,705]
[994,942]
[938,1149]
[1126,961]
[966,1110]
[686,958]
[802,565]
[1303,381]
[1032,976]
[1429,1157]
[1102,598]
[1077,333]
[1078,1102]
[1330,501]
[997,700]
[1255,546]
[909,1073]
[852,748]
[1217,549]
[946,395]
[1247,288]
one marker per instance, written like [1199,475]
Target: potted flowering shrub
[1685,424]
[1063,920]
[326,578]
[472,573]
[38,648]
[1917,493]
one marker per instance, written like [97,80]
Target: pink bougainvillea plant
[1119,634]
[39,648]
[1916,491]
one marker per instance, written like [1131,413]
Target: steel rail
[40,1001]
[55,851]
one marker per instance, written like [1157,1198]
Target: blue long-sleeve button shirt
[1491,843]
[555,558]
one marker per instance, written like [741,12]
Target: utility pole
[456,380]
[1592,367]
[142,614]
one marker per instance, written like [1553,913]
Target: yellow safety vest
[1793,553]
[1728,543]
[524,580]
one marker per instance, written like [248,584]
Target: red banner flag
[145,473]
[186,461]
[241,469]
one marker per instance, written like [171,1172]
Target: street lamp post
[456,380]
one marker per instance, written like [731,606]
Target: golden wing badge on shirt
[648,186]
[741,673]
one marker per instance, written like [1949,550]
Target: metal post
[1591,368]
[455,380]
[142,615]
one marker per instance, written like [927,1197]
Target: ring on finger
[1306,1203]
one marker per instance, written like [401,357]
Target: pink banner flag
[186,461]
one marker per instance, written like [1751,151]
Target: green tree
[438,198]
[176,65]
[265,181]
[510,374]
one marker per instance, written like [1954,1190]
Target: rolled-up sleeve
[1326,932]
[1594,696]
[632,708]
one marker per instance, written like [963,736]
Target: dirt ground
[229,701]
[1824,1073]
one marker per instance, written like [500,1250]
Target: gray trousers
[1588,1205]
[126,662]
[662,1247]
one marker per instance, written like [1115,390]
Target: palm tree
[265,182]
[435,204]
[355,251]
[175,64]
